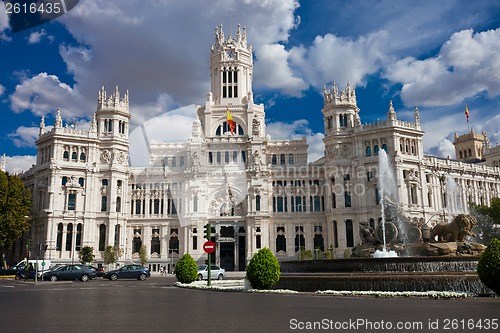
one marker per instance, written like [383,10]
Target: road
[155,305]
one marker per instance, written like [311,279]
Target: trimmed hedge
[488,267]
[186,270]
[263,271]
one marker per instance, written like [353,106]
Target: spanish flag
[231,123]
[467,112]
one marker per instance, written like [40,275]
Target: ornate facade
[254,191]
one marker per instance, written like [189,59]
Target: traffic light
[207,231]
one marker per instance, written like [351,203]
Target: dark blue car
[128,272]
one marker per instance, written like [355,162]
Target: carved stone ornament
[345,151]
[121,157]
[106,156]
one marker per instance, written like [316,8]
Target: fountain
[394,257]
[454,199]
[388,191]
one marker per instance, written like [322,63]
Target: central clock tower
[231,68]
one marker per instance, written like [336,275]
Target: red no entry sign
[209,247]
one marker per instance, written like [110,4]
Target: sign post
[209,247]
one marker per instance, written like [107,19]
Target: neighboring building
[254,191]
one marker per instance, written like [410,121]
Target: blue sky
[438,55]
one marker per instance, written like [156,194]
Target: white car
[217,272]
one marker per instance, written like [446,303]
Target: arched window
[282,159]
[82,157]
[73,156]
[384,147]
[319,242]
[79,230]
[181,161]
[81,181]
[69,236]
[118,204]
[59,237]
[368,151]
[66,155]
[224,129]
[349,233]
[117,235]
[64,180]
[104,203]
[155,241]
[136,241]
[274,160]
[375,149]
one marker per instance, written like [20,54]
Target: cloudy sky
[439,55]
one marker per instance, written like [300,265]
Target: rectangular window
[257,203]
[71,201]
[347,197]
[157,206]
[258,242]
[195,242]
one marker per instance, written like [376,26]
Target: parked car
[70,272]
[128,272]
[216,272]
[99,271]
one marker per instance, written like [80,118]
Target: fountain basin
[456,274]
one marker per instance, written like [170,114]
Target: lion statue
[456,230]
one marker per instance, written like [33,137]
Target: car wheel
[113,277]
[142,277]
[85,278]
[200,277]
[53,278]
[220,277]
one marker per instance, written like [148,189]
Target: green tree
[15,205]
[488,267]
[186,270]
[263,270]
[109,255]
[143,254]
[488,220]
[86,254]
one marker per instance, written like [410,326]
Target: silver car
[217,272]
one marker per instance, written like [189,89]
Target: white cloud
[24,136]
[341,59]
[297,130]
[19,164]
[44,93]
[4,23]
[272,70]
[36,36]
[2,90]
[466,65]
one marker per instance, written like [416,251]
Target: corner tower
[341,116]
[231,68]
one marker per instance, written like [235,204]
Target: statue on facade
[255,126]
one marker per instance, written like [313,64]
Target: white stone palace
[254,191]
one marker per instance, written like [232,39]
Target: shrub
[263,271]
[86,254]
[488,267]
[186,270]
